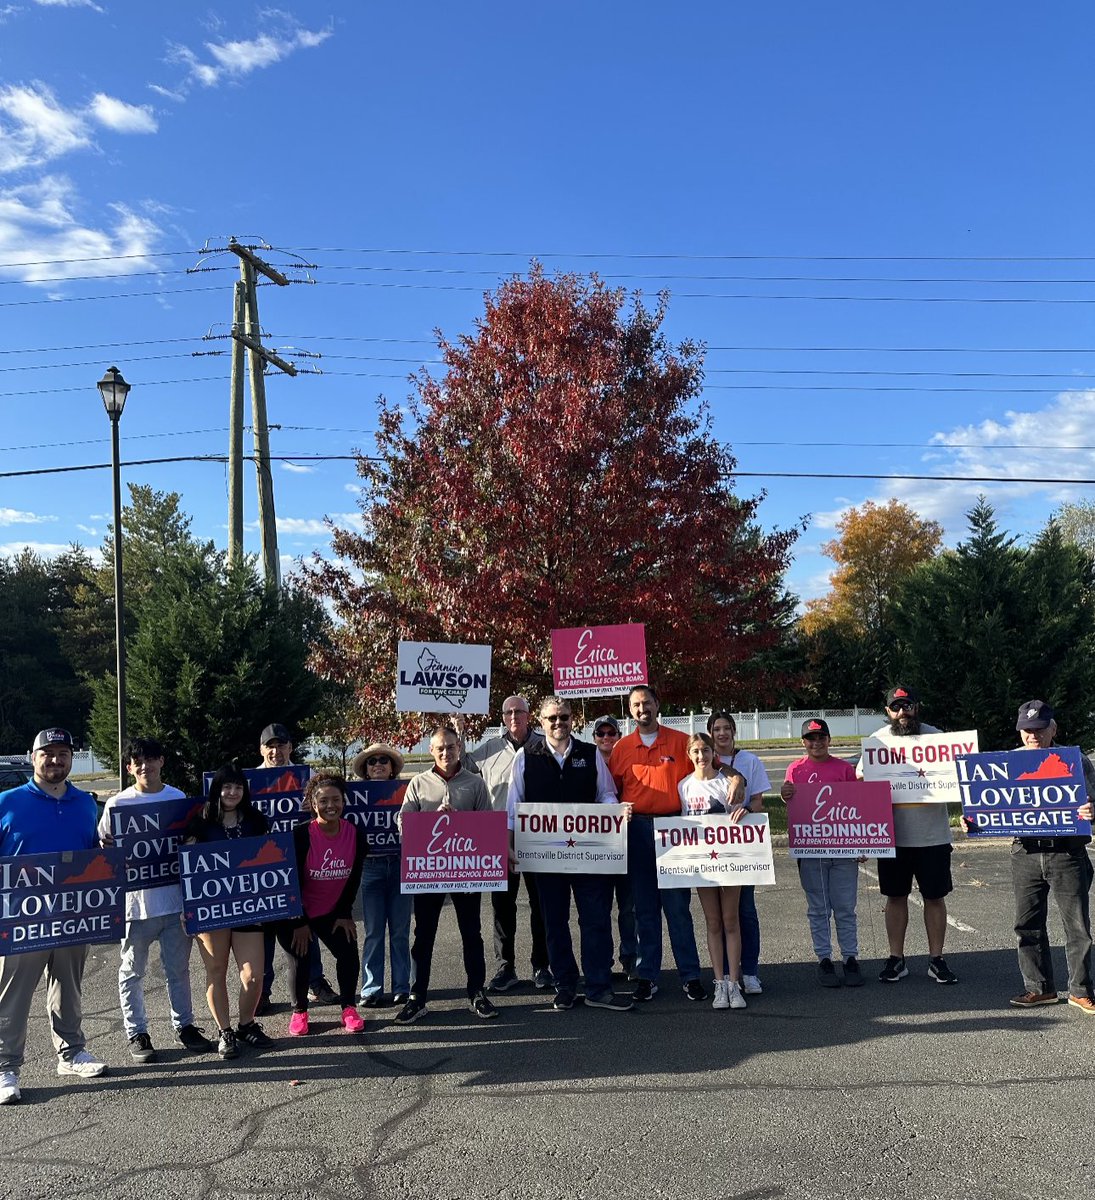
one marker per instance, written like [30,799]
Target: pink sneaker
[298,1024]
[351,1019]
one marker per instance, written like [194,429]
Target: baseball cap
[1035,714]
[52,737]
[900,692]
[274,733]
[607,719]
[815,725]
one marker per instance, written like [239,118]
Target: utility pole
[235,434]
[251,338]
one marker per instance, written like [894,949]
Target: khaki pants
[19,976]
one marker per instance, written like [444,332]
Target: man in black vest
[561,770]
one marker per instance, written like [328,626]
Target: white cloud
[13,516]
[42,549]
[69,4]
[90,530]
[35,127]
[297,468]
[167,93]
[301,526]
[238,57]
[39,221]
[8,10]
[121,117]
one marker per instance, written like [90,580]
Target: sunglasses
[901,706]
[377,760]
[558,717]
[607,733]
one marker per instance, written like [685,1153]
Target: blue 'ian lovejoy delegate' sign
[1023,793]
[239,881]
[374,805]
[277,793]
[61,899]
[149,834]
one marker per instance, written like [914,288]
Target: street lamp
[114,389]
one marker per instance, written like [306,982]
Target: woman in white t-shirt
[707,790]
[724,730]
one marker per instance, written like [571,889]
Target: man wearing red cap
[922,835]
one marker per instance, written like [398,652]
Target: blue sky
[877,218]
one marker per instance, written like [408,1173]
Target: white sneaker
[750,985]
[9,1087]
[722,996]
[86,1065]
[736,999]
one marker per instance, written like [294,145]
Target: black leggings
[343,949]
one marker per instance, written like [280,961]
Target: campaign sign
[149,833]
[919,769]
[454,852]
[374,805]
[713,851]
[239,881]
[277,793]
[589,839]
[442,677]
[61,899]
[598,660]
[840,820]
[1024,793]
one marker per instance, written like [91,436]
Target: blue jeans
[593,900]
[383,908]
[175,945]
[650,903]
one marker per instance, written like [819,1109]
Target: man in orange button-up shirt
[647,765]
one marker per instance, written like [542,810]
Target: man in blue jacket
[42,817]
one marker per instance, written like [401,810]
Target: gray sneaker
[505,978]
[141,1049]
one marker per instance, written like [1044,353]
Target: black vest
[575,782]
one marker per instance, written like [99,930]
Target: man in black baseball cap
[44,816]
[275,746]
[1060,865]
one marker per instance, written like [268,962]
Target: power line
[111,296]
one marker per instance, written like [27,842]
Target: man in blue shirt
[41,817]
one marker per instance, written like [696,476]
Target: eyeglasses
[514,712]
[377,760]
[555,718]
[606,733]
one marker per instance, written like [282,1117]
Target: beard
[911,729]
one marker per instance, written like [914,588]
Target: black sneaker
[543,978]
[644,990]
[504,979]
[252,1034]
[376,1000]
[321,992]
[564,999]
[226,1047]
[853,976]
[611,1001]
[894,969]
[481,1006]
[411,1011]
[940,972]
[695,990]
[400,998]
[141,1049]
[194,1040]
[826,973]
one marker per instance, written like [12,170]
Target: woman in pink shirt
[330,851]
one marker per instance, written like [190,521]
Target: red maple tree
[561,473]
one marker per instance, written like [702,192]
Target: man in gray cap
[1060,864]
[44,816]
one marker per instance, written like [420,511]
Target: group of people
[652,772]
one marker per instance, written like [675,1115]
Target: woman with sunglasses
[384,908]
[606,733]
[724,730]
[228,813]
[330,851]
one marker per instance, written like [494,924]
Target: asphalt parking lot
[898,1090]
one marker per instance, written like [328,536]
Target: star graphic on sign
[571,842]
[4,935]
[713,854]
[921,773]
